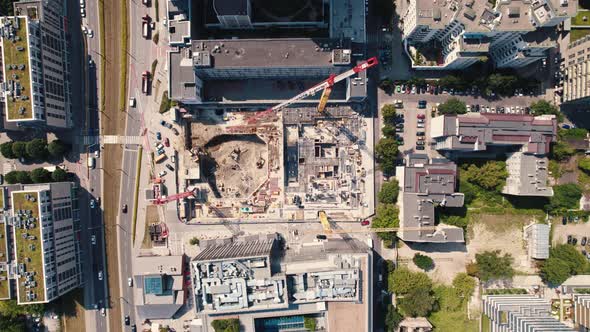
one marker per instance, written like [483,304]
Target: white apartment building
[576,60]
[466,31]
[44,251]
[35,88]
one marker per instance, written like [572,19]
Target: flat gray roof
[287,52]
[236,250]
[528,175]
[181,76]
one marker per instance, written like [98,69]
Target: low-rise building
[512,313]
[425,185]
[537,236]
[45,260]
[525,138]
[159,287]
[264,283]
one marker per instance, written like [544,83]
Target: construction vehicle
[175,197]
[325,86]
[145,82]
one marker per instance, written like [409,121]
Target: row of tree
[38,175]
[36,149]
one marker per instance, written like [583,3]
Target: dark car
[569,239]
[163,123]
[124,208]
[321,237]
[583,242]
[133,328]
[420,147]
[127,320]
[574,241]
[168,166]
[175,131]
[420,133]
[564,220]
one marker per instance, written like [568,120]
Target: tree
[57,148]
[387,216]
[502,84]
[464,285]
[542,107]
[389,192]
[491,175]
[565,196]
[59,175]
[451,82]
[422,261]
[386,85]
[194,241]
[8,324]
[6,150]
[492,265]
[310,323]
[572,133]
[10,177]
[388,112]
[37,148]
[418,302]
[19,149]
[561,151]
[40,175]
[402,280]
[452,106]
[386,153]
[388,131]
[555,271]
[584,164]
[392,319]
[226,325]
[23,177]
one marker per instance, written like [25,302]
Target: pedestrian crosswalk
[112,139]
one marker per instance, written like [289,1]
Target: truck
[145,82]
[145,26]
[91,162]
[160,158]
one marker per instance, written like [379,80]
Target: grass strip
[136,197]
[124,58]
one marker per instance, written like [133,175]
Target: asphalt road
[84,89]
[139,61]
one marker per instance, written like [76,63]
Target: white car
[103,312]
[82,12]
[93,240]
[90,33]
[84,29]
[96,154]
[130,282]
[420,125]
[132,102]
[162,173]
[100,275]
[173,159]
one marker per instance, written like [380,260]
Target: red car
[421,116]
[365,223]
[166,142]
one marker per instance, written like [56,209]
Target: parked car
[158,135]
[420,125]
[564,220]
[127,320]
[103,312]
[574,241]
[93,240]
[92,203]
[130,282]
[420,133]
[124,208]
[321,237]
[420,147]
[569,239]
[168,166]
[365,223]
[162,173]
[420,143]
[100,275]
[166,142]
[583,242]
[421,116]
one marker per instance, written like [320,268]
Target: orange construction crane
[325,86]
[175,197]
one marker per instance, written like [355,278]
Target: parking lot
[572,232]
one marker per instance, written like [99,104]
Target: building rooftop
[181,76]
[28,246]
[527,175]
[293,52]
[158,286]
[17,74]
[425,184]
[347,20]
[231,7]
[474,132]
[538,240]
[4,282]
[236,250]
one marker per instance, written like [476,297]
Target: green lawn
[576,34]
[579,18]
[485,323]
[453,321]
[14,57]
[4,285]
[22,246]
